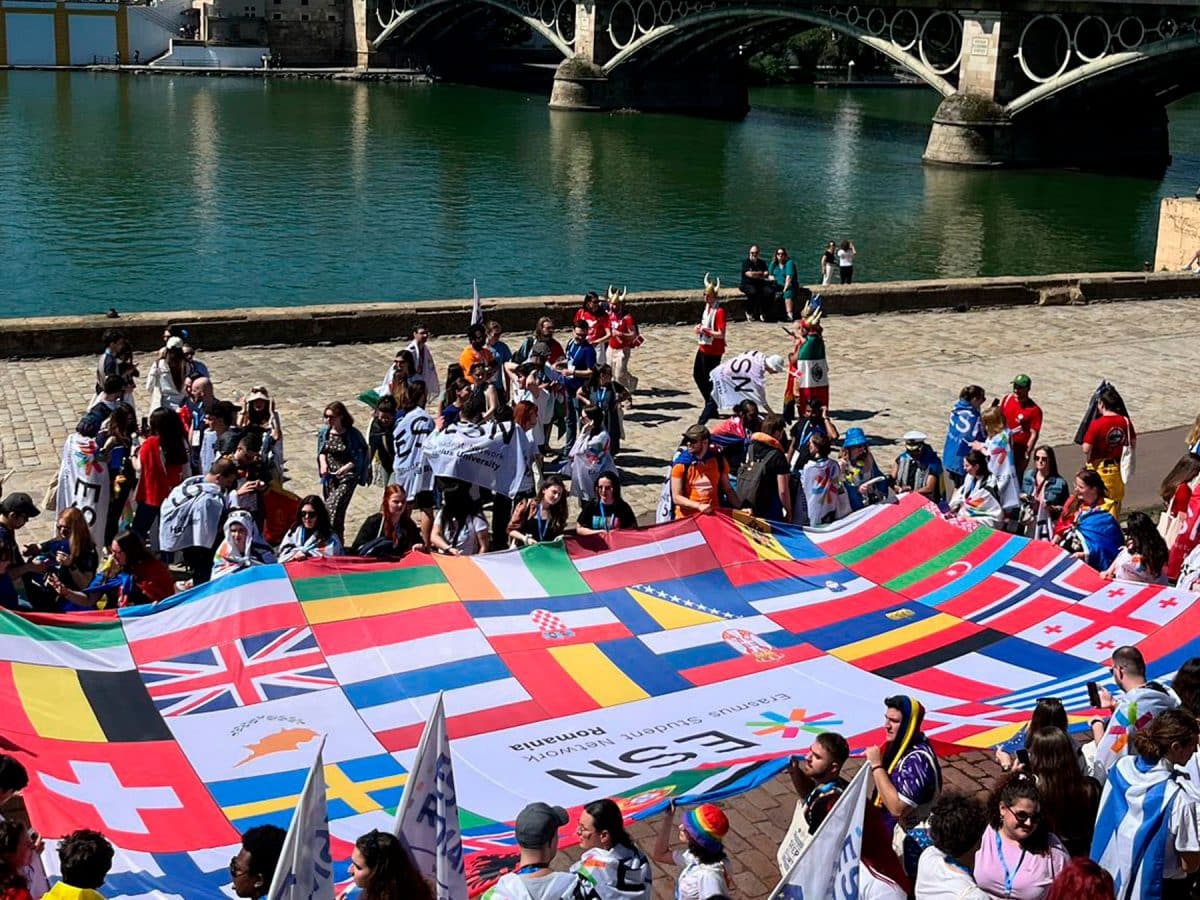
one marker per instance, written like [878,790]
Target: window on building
[333,18]
[304,17]
[277,16]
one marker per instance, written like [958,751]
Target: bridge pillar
[357,43]
[970,127]
[1122,127]
[715,88]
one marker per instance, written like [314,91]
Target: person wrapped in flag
[243,546]
[977,499]
[611,862]
[1148,828]
[808,372]
[907,777]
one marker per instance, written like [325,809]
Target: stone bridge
[1035,83]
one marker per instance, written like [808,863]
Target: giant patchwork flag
[687,661]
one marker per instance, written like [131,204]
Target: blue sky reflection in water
[186,192]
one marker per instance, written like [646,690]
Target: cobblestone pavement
[889,373]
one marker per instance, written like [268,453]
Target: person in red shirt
[1024,420]
[599,325]
[1106,438]
[710,341]
[163,462]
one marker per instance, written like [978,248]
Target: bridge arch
[554,20]
[641,44]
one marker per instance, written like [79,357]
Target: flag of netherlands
[637,557]
[255,600]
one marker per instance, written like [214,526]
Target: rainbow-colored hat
[706,825]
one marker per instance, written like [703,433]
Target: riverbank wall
[220,329]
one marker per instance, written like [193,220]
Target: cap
[915,437]
[258,392]
[696,432]
[706,826]
[20,503]
[174,343]
[1022,381]
[538,823]
[855,437]
[539,348]
[774,363]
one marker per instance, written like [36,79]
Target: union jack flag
[245,671]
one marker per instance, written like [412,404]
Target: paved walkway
[890,373]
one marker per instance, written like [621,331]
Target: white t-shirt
[1184,827]
[544,401]
[938,878]
[466,539]
[697,880]
[845,257]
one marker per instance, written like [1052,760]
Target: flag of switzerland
[142,796]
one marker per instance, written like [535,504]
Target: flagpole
[303,871]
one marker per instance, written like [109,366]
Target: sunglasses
[1023,817]
[308,513]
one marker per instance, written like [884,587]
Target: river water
[190,192]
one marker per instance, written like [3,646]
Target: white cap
[915,437]
[774,363]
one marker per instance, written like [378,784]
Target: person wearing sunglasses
[1018,858]
[312,533]
[252,869]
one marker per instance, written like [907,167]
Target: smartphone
[1093,694]
[1023,757]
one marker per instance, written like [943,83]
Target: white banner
[829,866]
[191,514]
[305,869]
[427,817]
[492,455]
[83,483]
[741,378]
[410,467]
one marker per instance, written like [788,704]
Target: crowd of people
[195,491]
[1117,816]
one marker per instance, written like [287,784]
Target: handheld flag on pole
[305,869]
[831,863]
[427,817]
[476,308]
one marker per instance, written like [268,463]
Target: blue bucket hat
[855,437]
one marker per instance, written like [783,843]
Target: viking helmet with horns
[615,296]
[711,288]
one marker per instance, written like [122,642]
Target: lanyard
[542,525]
[533,867]
[603,518]
[1008,876]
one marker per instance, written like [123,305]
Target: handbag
[1127,458]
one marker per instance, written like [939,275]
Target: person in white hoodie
[611,863]
[537,835]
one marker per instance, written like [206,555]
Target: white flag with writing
[427,817]
[830,866]
[493,455]
[741,378]
[305,869]
[83,483]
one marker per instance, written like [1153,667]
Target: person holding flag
[745,378]
[808,373]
